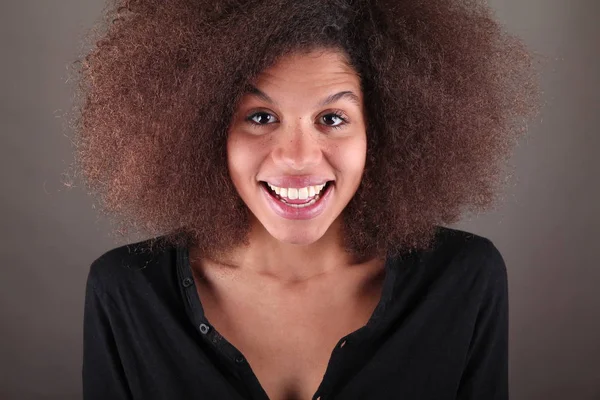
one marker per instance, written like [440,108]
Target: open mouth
[298,197]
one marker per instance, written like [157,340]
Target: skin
[296,137]
[295,272]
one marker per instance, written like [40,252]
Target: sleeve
[102,371]
[485,375]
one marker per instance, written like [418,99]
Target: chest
[288,346]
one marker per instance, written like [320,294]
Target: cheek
[237,158]
[243,157]
[350,157]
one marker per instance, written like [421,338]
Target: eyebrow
[348,94]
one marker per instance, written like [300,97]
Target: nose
[297,147]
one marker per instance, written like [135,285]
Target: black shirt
[439,331]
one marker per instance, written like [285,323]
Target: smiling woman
[293,163]
[309,136]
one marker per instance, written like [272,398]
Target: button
[204,328]
[187,282]
[240,359]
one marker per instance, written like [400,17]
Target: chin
[300,237]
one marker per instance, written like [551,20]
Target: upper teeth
[297,193]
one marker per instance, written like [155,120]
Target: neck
[267,257]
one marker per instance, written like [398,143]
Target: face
[297,145]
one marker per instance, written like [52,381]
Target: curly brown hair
[446,91]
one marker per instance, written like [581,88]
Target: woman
[293,163]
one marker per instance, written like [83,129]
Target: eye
[333,117]
[259,118]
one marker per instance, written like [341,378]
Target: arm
[486,371]
[102,372]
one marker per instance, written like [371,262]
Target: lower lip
[288,212]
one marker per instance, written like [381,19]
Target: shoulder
[465,259]
[468,247]
[122,268]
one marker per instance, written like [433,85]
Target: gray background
[547,228]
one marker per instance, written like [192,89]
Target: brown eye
[260,118]
[334,120]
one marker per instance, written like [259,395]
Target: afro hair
[447,92]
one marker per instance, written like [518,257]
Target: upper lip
[291,181]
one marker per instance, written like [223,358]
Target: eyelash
[336,113]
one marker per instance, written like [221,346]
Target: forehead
[317,69]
